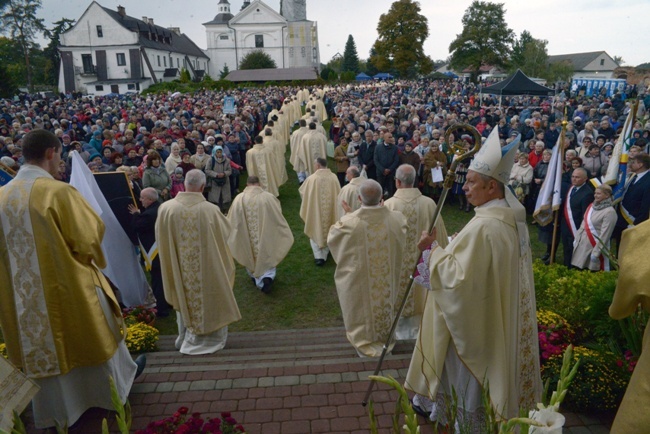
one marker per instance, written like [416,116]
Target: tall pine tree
[350,56]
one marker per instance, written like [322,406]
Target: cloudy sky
[616,26]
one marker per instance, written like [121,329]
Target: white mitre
[493,160]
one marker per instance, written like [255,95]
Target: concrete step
[271,349]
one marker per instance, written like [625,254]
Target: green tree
[12,58]
[336,63]
[485,40]
[20,22]
[560,71]
[402,32]
[350,56]
[371,69]
[257,59]
[185,76]
[529,55]
[619,60]
[7,85]
[325,73]
[224,72]
[51,52]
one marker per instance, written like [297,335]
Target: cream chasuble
[418,210]
[632,291]
[278,158]
[260,236]
[197,267]
[261,162]
[296,137]
[482,305]
[350,194]
[318,207]
[367,246]
[312,145]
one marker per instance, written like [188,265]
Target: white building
[108,51]
[287,37]
[595,64]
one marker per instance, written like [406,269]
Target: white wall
[113,32]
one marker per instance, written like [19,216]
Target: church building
[287,37]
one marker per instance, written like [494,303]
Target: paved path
[288,382]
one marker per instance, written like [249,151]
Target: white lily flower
[551,421]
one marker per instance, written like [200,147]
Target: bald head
[370,192]
[149,193]
[194,181]
[405,174]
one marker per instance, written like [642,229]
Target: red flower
[225,414]
[183,410]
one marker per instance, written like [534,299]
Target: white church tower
[287,37]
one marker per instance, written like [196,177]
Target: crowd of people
[391,146]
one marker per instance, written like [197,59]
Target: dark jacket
[636,201]
[386,158]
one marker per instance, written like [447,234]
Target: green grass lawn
[304,295]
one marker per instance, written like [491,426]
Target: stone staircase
[287,381]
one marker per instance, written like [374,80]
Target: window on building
[291,50]
[303,52]
[602,62]
[130,86]
[99,87]
[165,61]
[121,59]
[178,62]
[223,37]
[87,61]
[259,41]
[100,33]
[158,60]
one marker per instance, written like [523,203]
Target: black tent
[518,84]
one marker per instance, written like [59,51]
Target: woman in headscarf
[595,232]
[218,172]
[156,176]
[174,159]
[201,158]
[432,159]
[521,176]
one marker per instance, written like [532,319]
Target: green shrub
[581,297]
[599,384]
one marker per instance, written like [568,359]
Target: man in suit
[144,226]
[574,205]
[635,206]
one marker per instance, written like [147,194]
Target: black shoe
[419,410]
[545,257]
[320,262]
[266,289]
[141,361]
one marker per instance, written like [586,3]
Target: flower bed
[573,309]
[183,422]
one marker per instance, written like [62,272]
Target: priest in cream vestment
[313,145]
[632,291]
[197,267]
[418,210]
[261,162]
[294,142]
[260,236]
[318,208]
[60,320]
[278,152]
[479,323]
[348,199]
[368,247]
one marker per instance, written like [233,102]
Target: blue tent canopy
[363,77]
[383,76]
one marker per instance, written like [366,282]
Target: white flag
[122,266]
[550,198]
